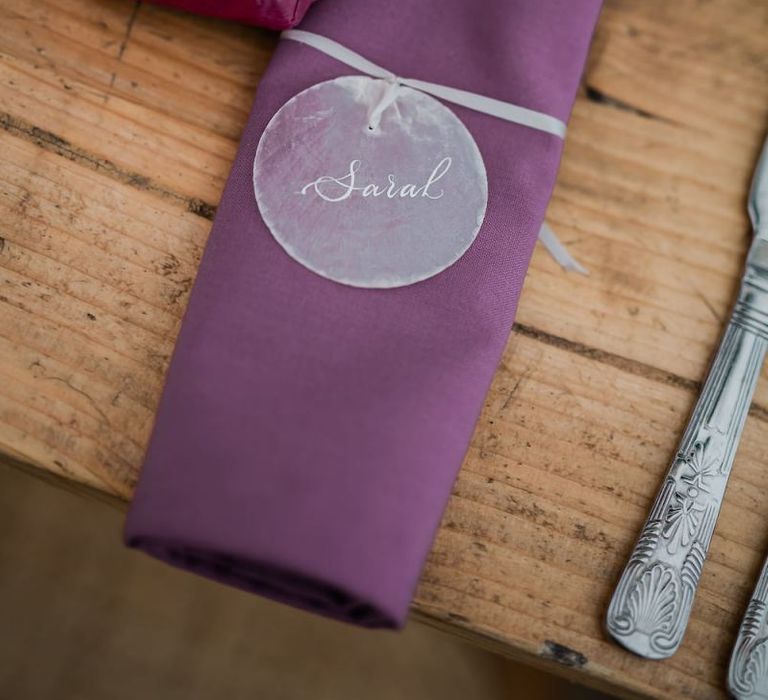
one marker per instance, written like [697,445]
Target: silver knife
[651,605]
[748,670]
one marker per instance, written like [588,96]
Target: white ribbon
[487,105]
[556,248]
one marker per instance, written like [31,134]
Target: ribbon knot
[480,103]
[388,96]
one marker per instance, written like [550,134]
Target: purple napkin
[274,14]
[310,432]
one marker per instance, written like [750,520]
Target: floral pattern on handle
[650,608]
[748,670]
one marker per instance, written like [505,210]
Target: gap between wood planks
[60,146]
[124,42]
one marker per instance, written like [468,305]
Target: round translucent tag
[370,183]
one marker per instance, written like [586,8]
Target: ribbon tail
[559,252]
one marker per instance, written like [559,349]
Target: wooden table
[119,124]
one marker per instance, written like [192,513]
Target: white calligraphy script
[337,189]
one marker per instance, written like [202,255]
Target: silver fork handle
[748,670]
[651,605]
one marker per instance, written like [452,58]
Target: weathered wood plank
[182,138]
[562,469]
[119,124]
[90,309]
[656,202]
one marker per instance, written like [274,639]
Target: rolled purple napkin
[273,14]
[310,432]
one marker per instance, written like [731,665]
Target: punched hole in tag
[386,100]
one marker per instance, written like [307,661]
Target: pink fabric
[309,433]
[273,14]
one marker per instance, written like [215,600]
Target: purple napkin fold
[309,433]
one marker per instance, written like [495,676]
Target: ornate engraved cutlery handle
[650,608]
[748,671]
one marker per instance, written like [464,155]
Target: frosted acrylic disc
[369,202]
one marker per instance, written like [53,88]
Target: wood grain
[119,124]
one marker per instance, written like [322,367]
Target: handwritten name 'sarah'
[337,189]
